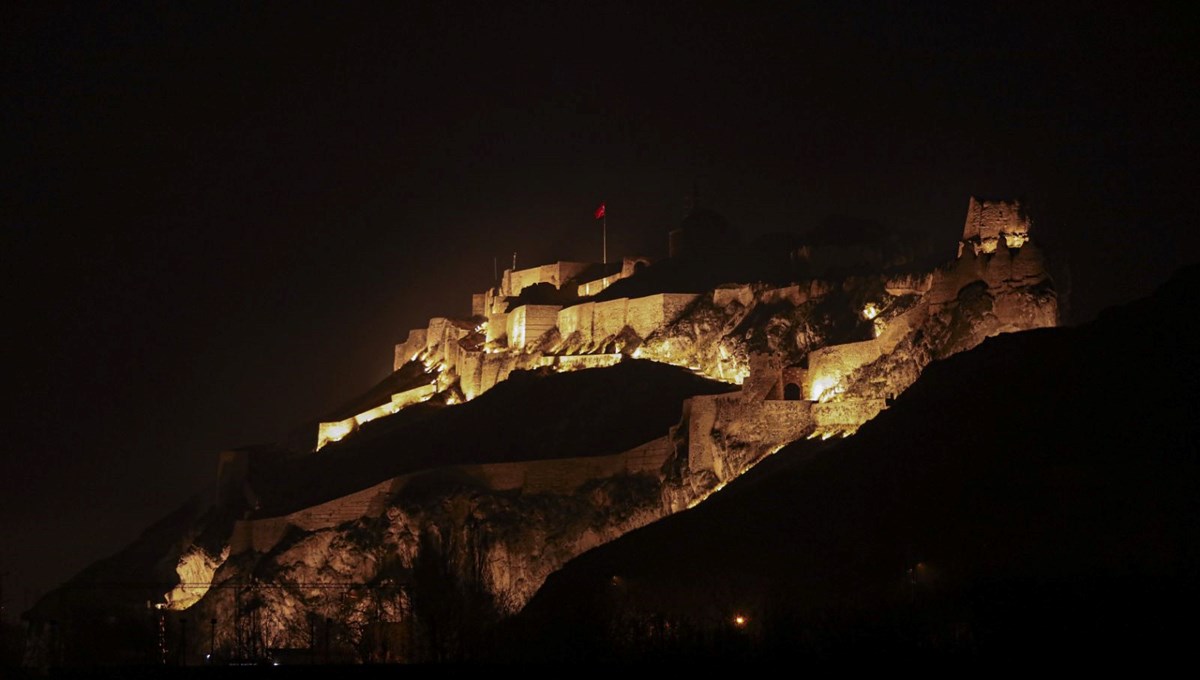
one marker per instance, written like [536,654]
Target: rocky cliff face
[416,568]
[444,554]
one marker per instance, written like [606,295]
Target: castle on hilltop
[452,360]
[816,358]
[811,350]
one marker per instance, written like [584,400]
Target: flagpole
[602,215]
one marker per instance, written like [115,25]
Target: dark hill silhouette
[1043,489]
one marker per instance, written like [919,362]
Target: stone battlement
[990,222]
[556,274]
[476,358]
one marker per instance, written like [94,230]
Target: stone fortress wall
[827,366]
[988,225]
[1005,268]
[411,348]
[991,222]
[577,319]
[718,437]
[629,267]
[725,433]
[527,323]
[556,274]
[729,432]
[559,476]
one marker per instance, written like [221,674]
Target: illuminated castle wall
[463,359]
[827,389]
[556,274]
[557,476]
[991,222]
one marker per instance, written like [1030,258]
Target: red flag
[600,211]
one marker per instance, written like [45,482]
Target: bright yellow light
[740,621]
[824,388]
[195,569]
[1016,240]
[377,412]
[870,311]
[700,499]
[337,431]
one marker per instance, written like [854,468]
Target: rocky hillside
[411,535]
[458,523]
[1036,494]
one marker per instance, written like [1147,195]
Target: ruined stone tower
[990,221]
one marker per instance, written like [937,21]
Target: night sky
[218,220]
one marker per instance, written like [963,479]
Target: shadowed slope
[530,416]
[1042,489]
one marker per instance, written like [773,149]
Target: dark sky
[218,219]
